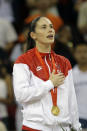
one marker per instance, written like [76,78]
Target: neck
[83,67]
[43,48]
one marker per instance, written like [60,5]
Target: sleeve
[27,87]
[73,109]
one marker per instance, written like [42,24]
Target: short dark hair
[32,26]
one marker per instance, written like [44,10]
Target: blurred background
[69,18]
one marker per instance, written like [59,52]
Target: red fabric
[47,58]
[31,60]
[28,129]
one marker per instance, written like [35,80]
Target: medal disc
[55,110]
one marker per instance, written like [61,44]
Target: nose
[50,30]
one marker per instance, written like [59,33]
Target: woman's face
[44,31]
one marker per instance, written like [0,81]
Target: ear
[33,35]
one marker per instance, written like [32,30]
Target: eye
[51,26]
[44,27]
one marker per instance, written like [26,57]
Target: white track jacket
[32,91]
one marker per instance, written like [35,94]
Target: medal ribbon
[53,91]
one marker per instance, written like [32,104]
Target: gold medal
[55,110]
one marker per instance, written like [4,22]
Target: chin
[51,41]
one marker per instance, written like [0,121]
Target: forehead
[44,21]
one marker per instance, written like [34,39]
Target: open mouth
[50,36]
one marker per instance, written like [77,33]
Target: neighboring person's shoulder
[75,69]
[2,126]
[2,83]
[4,22]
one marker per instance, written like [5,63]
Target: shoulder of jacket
[24,57]
[63,60]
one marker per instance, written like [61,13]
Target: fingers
[60,82]
[57,79]
[61,75]
[53,72]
